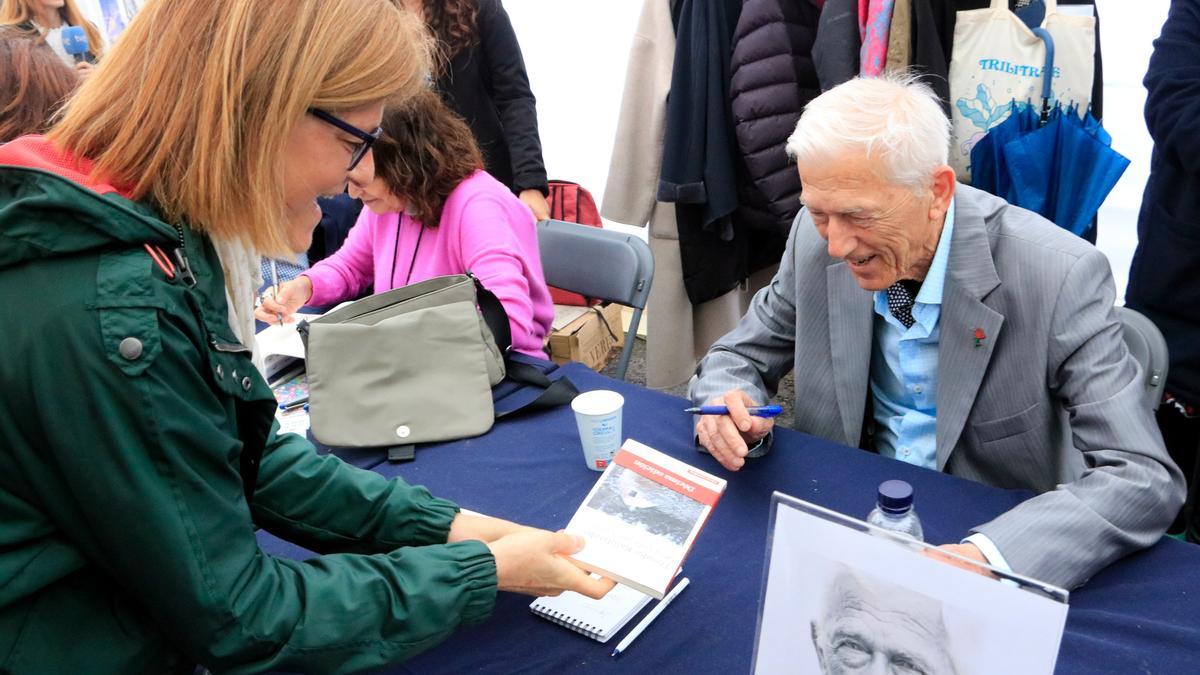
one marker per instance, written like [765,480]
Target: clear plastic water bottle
[894,510]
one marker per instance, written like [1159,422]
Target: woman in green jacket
[137,444]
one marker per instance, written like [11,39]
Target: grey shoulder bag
[415,364]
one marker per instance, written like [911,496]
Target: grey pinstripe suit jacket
[1050,401]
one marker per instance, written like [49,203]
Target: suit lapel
[850,334]
[963,360]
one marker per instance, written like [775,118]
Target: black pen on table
[637,630]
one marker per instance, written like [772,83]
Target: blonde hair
[895,120]
[193,106]
[16,12]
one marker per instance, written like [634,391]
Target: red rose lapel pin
[979,337]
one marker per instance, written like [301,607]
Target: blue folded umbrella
[1065,170]
[987,159]
[1062,170]
[1055,162]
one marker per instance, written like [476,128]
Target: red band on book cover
[666,478]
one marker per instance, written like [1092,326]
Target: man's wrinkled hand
[728,437]
[969,551]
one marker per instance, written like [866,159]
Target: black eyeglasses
[367,138]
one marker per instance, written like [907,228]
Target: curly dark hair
[425,151]
[452,23]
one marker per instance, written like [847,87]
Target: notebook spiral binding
[562,619]
[599,620]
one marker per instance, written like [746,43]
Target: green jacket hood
[49,207]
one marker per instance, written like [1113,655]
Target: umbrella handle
[1047,71]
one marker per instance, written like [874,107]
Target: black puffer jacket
[772,77]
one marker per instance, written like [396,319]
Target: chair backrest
[1148,346]
[598,263]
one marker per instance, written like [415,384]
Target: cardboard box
[590,338]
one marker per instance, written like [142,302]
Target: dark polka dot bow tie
[900,296]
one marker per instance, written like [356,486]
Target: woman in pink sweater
[431,210]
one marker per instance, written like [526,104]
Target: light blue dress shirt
[904,378]
[904,375]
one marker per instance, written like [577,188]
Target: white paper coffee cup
[598,414]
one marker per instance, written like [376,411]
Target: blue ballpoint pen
[295,403]
[755,410]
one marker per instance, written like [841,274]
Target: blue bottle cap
[895,496]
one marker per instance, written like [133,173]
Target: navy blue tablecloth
[1140,615]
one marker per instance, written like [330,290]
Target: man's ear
[815,631]
[942,186]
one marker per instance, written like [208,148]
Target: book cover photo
[642,517]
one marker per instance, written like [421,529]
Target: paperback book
[642,517]
[282,348]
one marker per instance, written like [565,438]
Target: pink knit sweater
[484,229]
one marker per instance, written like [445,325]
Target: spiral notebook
[598,619]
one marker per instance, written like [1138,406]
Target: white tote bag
[997,60]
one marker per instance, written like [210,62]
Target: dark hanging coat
[836,51]
[772,78]
[700,168]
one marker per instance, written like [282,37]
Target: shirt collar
[935,279]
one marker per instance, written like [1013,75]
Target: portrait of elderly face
[880,628]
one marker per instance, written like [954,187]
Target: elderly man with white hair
[938,325]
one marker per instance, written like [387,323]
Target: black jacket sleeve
[511,95]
